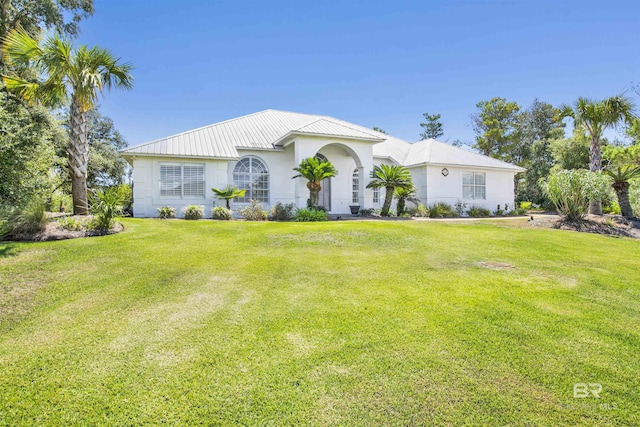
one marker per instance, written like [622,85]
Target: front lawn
[341,323]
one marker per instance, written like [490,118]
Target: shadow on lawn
[8,249]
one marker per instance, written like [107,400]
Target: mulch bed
[609,225]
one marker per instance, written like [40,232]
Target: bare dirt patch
[494,265]
[609,225]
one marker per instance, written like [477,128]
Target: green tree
[404,195]
[539,127]
[497,127]
[28,136]
[81,75]
[390,178]
[432,127]
[595,117]
[315,170]
[571,153]
[228,193]
[63,16]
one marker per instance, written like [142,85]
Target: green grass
[341,323]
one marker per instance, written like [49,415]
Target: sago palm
[65,74]
[391,178]
[228,193]
[315,170]
[621,176]
[595,117]
[404,195]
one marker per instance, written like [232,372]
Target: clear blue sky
[375,63]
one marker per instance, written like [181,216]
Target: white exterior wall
[499,186]
[146,185]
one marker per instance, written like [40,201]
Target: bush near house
[192,212]
[106,206]
[254,212]
[478,212]
[221,213]
[166,212]
[310,215]
[441,210]
[282,212]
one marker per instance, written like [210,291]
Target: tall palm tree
[390,177]
[227,193]
[315,170]
[79,75]
[621,176]
[595,117]
[404,195]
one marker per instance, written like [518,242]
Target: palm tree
[390,177]
[79,74]
[405,194]
[595,117]
[621,176]
[227,193]
[315,170]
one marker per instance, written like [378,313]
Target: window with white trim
[252,175]
[474,185]
[376,195]
[182,180]
[355,186]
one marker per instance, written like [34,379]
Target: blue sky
[375,63]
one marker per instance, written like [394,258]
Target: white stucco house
[258,152]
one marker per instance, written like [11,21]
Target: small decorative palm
[404,195]
[315,170]
[391,178]
[227,193]
[621,176]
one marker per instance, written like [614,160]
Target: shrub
[421,211]
[611,208]
[526,206]
[166,212]
[221,213]
[106,206]
[254,212]
[460,207]
[308,215]
[282,212]
[70,224]
[193,212]
[28,220]
[518,211]
[368,212]
[441,210]
[571,190]
[478,212]
[498,212]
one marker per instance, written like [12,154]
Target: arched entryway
[324,197]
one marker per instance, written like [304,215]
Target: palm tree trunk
[622,191]
[595,165]
[78,158]
[228,204]
[401,205]
[314,194]
[388,198]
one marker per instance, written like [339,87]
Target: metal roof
[264,129]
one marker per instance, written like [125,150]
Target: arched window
[251,174]
[355,186]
